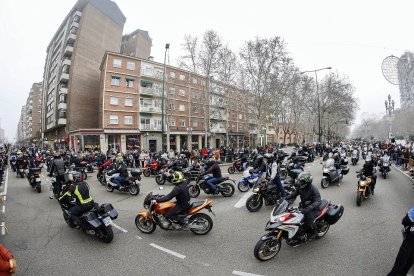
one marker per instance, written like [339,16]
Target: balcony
[71,38]
[66,62]
[63,90]
[218,130]
[149,91]
[150,127]
[74,24]
[61,121]
[150,109]
[64,77]
[62,106]
[68,50]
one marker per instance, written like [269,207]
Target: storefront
[86,140]
[91,142]
[133,142]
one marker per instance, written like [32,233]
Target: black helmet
[304,180]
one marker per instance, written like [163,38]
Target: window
[182,92]
[62,98]
[113,119]
[240,116]
[172,91]
[195,123]
[172,75]
[62,113]
[203,82]
[182,122]
[195,109]
[128,120]
[194,80]
[128,101]
[195,95]
[182,77]
[172,106]
[172,122]
[182,107]
[117,63]
[130,65]
[145,123]
[115,80]
[114,100]
[129,83]
[49,119]
[49,107]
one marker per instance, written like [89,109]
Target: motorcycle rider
[405,257]
[310,200]
[275,173]
[122,169]
[84,201]
[214,168]
[368,171]
[259,167]
[180,192]
[58,166]
[337,165]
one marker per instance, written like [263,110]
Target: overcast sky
[353,37]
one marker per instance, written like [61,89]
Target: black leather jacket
[309,197]
[261,167]
[58,166]
[368,169]
[122,170]
[180,192]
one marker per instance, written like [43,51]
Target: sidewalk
[406,173]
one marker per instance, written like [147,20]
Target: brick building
[137,44]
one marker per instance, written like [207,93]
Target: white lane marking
[242,201]
[241,273]
[402,172]
[119,227]
[138,237]
[204,264]
[178,255]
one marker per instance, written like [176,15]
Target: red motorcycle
[237,165]
[152,169]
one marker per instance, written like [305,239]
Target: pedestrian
[405,257]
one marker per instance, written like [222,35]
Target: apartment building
[137,44]
[33,111]
[71,77]
[21,127]
[406,79]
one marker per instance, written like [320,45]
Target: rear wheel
[203,222]
[145,225]
[267,249]
[105,234]
[147,173]
[134,189]
[38,188]
[194,191]
[384,175]
[322,229]
[324,183]
[231,170]
[243,186]
[109,187]
[254,203]
[359,198]
[227,189]
[160,180]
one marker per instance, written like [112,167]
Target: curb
[401,171]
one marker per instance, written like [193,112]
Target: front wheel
[227,189]
[194,191]
[231,170]
[384,175]
[160,180]
[243,186]
[134,189]
[147,173]
[267,249]
[109,187]
[324,183]
[203,222]
[144,224]
[105,234]
[254,203]
[322,230]
[359,198]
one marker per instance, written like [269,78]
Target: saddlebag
[345,170]
[110,210]
[334,213]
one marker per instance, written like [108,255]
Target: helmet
[259,157]
[335,156]
[177,177]
[304,179]
[411,214]
[268,156]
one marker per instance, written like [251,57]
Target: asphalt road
[364,242]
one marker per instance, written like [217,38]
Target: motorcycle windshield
[329,163]
[280,208]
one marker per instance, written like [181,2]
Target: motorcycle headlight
[385,164]
[325,170]
[256,190]
[362,183]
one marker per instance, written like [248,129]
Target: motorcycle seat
[196,204]
[323,205]
[224,179]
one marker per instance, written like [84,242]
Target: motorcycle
[81,170]
[198,223]
[130,185]
[225,187]
[330,173]
[288,224]
[363,187]
[344,158]
[355,157]
[165,176]
[94,222]
[248,180]
[152,169]
[236,166]
[33,176]
[49,162]
[21,169]
[268,192]
[385,166]
[13,165]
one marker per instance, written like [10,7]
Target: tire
[38,188]
[160,180]
[230,189]
[105,234]
[384,175]
[188,178]
[68,221]
[262,249]
[323,230]
[208,222]
[324,183]
[133,189]
[146,173]
[21,175]
[231,170]
[243,187]
[109,188]
[283,174]
[253,204]
[85,175]
[359,199]
[194,191]
[144,225]
[102,180]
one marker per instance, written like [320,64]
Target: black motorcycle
[130,184]
[225,186]
[94,222]
[13,165]
[33,177]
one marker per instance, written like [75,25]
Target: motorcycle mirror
[161,188]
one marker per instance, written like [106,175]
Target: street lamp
[317,93]
[167,46]
[389,108]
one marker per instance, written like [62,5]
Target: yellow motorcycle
[363,188]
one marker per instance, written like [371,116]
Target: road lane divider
[241,273]
[178,255]
[242,201]
[119,227]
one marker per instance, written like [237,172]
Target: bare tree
[189,60]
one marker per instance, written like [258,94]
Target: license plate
[107,221]
[37,179]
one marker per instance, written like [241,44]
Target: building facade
[33,111]
[137,44]
[406,79]
[71,73]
